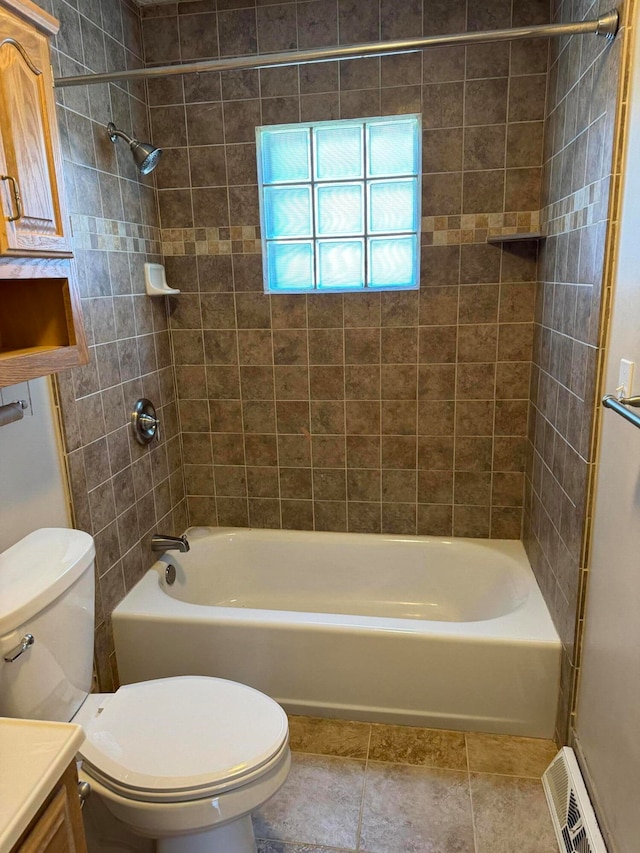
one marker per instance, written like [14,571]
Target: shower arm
[114,133]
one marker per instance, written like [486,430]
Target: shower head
[145,156]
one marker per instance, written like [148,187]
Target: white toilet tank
[46,591]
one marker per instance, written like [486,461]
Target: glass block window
[340,204]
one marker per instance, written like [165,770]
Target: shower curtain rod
[606,25]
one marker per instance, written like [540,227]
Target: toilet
[175,765]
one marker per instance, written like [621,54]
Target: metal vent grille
[573,817]
[581,842]
[573,812]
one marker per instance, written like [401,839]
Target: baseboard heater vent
[573,817]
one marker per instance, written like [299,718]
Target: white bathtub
[449,633]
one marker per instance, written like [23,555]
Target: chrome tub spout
[162,543]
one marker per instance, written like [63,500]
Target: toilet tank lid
[39,568]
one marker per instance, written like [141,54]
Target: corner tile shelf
[516,237]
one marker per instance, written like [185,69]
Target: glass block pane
[285,155]
[290,266]
[287,212]
[339,209]
[393,206]
[393,148]
[338,152]
[393,262]
[340,264]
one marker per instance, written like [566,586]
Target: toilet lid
[183,734]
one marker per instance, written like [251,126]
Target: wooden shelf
[11,353]
[40,328]
[35,313]
[516,237]
[30,363]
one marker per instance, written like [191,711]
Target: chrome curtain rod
[619,405]
[606,25]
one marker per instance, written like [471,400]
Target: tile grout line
[473,821]
[364,789]
[473,817]
[507,775]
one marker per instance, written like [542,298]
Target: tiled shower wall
[396,412]
[568,343]
[120,491]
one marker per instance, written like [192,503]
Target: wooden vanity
[39,802]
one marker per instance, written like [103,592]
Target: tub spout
[162,543]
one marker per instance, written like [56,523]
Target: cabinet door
[53,833]
[33,216]
[57,827]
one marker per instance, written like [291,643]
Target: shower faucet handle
[148,422]
[144,422]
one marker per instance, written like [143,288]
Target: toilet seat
[183,738]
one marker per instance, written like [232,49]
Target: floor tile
[416,810]
[318,804]
[511,756]
[425,747]
[511,814]
[329,737]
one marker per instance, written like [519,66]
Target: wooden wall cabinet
[57,828]
[40,315]
[34,216]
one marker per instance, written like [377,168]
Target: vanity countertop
[33,756]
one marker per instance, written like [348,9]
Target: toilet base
[214,824]
[234,837]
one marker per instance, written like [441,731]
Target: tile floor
[395,789]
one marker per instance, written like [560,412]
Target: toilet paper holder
[12,412]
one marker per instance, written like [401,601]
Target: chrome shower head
[145,156]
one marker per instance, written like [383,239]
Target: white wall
[32,483]
[608,712]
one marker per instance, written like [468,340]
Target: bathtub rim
[528,623]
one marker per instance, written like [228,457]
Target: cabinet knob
[84,789]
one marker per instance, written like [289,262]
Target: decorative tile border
[584,207]
[113,235]
[236,240]
[436,231]
[91,232]
[476,227]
